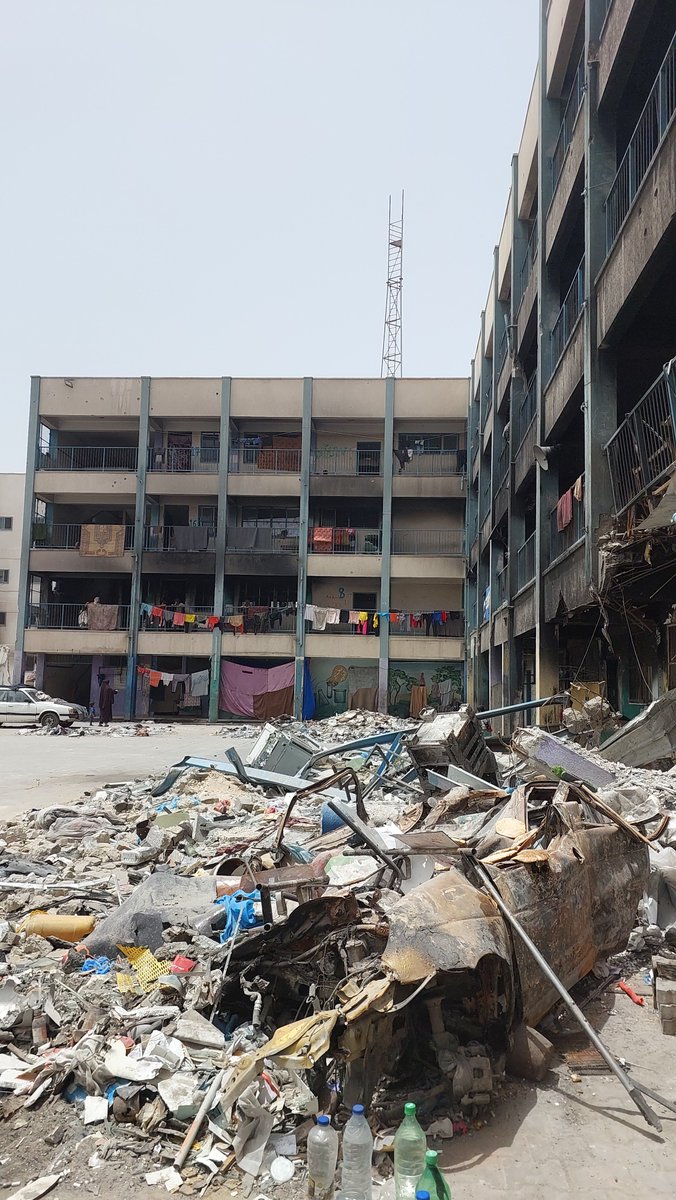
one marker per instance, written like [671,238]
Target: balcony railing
[486,405]
[325,540]
[248,539]
[503,463]
[502,354]
[501,587]
[561,540]
[88,458]
[435,462]
[66,537]
[644,446]
[571,110]
[69,616]
[174,460]
[346,462]
[525,413]
[181,539]
[529,258]
[569,314]
[255,619]
[485,498]
[264,461]
[525,563]
[454,627]
[431,542]
[643,145]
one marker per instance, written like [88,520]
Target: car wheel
[50,720]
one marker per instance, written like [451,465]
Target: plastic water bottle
[422,1195]
[322,1156]
[357,1154]
[410,1145]
[432,1180]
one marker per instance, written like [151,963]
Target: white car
[28,706]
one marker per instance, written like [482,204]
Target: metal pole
[629,1086]
[512,708]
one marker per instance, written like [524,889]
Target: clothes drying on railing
[369,622]
[250,619]
[564,510]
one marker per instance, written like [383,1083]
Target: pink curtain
[240,685]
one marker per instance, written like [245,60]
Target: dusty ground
[39,771]
[558,1138]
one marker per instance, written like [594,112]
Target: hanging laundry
[332,616]
[578,489]
[353,616]
[199,683]
[310,612]
[179,619]
[190,618]
[155,678]
[236,621]
[564,510]
[212,622]
[319,619]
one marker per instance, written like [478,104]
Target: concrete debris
[648,738]
[252,961]
[118,729]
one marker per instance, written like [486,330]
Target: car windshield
[34,694]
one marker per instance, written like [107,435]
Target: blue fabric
[308,694]
[96,966]
[241,902]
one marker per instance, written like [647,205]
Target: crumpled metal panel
[446,924]
[575,911]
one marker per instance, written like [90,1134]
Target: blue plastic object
[330,819]
[241,902]
[96,966]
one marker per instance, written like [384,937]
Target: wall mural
[340,684]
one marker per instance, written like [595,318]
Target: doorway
[368,458]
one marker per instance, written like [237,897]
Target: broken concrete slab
[647,738]
[161,899]
[555,758]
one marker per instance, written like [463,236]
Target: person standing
[107,695]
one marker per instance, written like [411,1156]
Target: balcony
[264,461]
[67,537]
[430,542]
[346,462]
[178,539]
[529,260]
[257,539]
[501,587]
[486,406]
[88,458]
[326,540]
[645,141]
[563,540]
[173,460]
[73,616]
[252,630]
[643,449]
[525,563]
[501,355]
[573,106]
[569,315]
[256,619]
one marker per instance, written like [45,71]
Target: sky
[200,187]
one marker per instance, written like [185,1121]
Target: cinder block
[665,991]
[669,1028]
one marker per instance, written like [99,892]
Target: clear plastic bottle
[432,1180]
[410,1145]
[357,1154]
[322,1157]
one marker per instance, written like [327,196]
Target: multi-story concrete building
[246,500]
[572,421]
[11,510]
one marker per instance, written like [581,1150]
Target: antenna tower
[391,361]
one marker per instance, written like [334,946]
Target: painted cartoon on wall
[339,685]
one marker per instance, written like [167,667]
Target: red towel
[155,678]
[179,618]
[564,510]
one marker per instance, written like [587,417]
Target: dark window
[4,575]
[429,443]
[364,601]
[639,692]
[5,522]
[3,618]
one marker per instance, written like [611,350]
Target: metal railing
[529,258]
[260,540]
[525,563]
[525,413]
[485,497]
[88,458]
[502,354]
[182,539]
[473,614]
[428,541]
[176,460]
[68,616]
[344,541]
[67,537]
[454,628]
[643,448]
[434,462]
[263,461]
[569,314]
[644,143]
[346,462]
[475,444]
[573,106]
[561,540]
[501,587]
[503,462]
[486,405]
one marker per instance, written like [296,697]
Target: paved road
[38,771]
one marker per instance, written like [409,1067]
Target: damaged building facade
[572,421]
[246,545]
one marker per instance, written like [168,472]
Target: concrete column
[40,671]
[303,522]
[221,533]
[516,394]
[27,527]
[386,547]
[600,375]
[546,482]
[137,553]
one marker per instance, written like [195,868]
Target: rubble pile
[193,967]
[119,729]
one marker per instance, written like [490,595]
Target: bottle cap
[323,1120]
[422,1196]
[358,1110]
[431,1157]
[409,1109]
